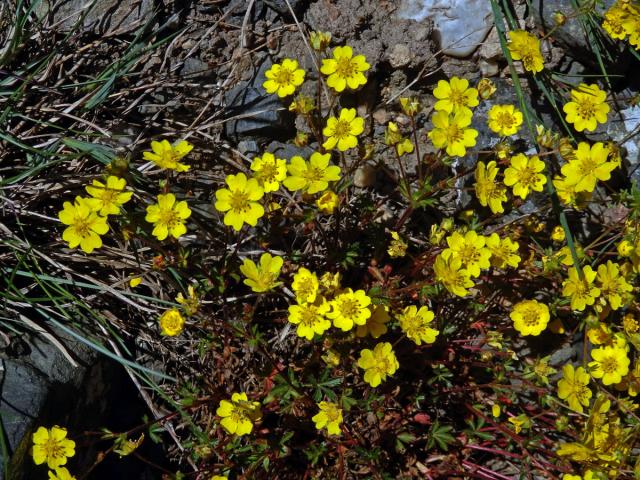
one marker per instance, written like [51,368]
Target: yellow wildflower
[110,196]
[344,69]
[489,191]
[504,120]
[310,318]
[599,334]
[530,317]
[168,216]
[526,47]
[448,270]
[393,137]
[455,96]
[264,277]
[313,176]
[415,323]
[524,174]
[350,308]
[573,387]
[587,107]
[319,40]
[452,132]
[343,131]
[376,324]
[397,247]
[329,417]
[589,166]
[471,250]
[410,106]
[486,88]
[520,422]
[504,251]
[191,303]
[240,201]
[328,202]
[84,225]
[283,78]
[238,414]
[171,322]
[378,363]
[269,171]
[167,156]
[557,234]
[609,363]
[303,105]
[495,410]
[60,473]
[52,446]
[580,290]
[305,286]
[612,285]
[625,248]
[630,324]
[135,281]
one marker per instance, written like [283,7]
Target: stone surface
[460,24]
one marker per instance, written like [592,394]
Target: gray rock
[282,8]
[195,68]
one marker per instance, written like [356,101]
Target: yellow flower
[630,324]
[305,286]
[343,131]
[520,422]
[171,322]
[85,225]
[589,166]
[557,235]
[328,202]
[168,216]
[609,363]
[264,277]
[568,476]
[329,417]
[303,105]
[311,177]
[566,190]
[581,290]
[240,201]
[378,363]
[470,249]
[633,380]
[166,155]
[238,414]
[283,78]
[573,387]
[190,304]
[599,334]
[269,171]
[625,248]
[504,252]
[530,317]
[393,137]
[489,191]
[110,196]
[587,107]
[60,473]
[410,106]
[350,308]
[495,410]
[135,281]
[344,69]
[526,47]
[613,22]
[376,325]
[612,285]
[448,270]
[319,40]
[486,88]
[397,247]
[524,174]
[52,446]
[451,132]
[504,120]
[310,318]
[219,477]
[415,323]
[455,96]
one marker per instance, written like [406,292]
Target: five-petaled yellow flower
[589,165]
[378,363]
[526,47]
[52,446]
[328,202]
[344,69]
[263,277]
[581,290]
[415,323]
[489,191]
[171,322]
[470,249]
[238,414]
[452,132]
[587,107]
[504,251]
[376,325]
[343,131]
[448,270]
[310,318]
[166,155]
[269,171]
[84,224]
[305,286]
[312,176]
[110,196]
[240,201]
[455,96]
[329,417]
[283,78]
[525,174]
[168,216]
[609,363]
[350,308]
[573,387]
[613,286]
[505,120]
[530,317]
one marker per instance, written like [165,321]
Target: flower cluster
[622,21]
[51,446]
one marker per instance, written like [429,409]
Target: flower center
[457,97]
[349,308]
[239,201]
[469,254]
[454,134]
[586,108]
[314,174]
[527,176]
[342,129]
[54,448]
[609,365]
[505,120]
[530,317]
[345,67]
[169,218]
[82,226]
[268,172]
[332,414]
[284,76]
